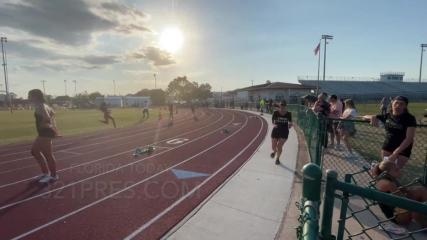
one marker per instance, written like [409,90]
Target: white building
[111,101]
[276,91]
[137,101]
[119,101]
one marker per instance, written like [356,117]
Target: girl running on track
[282,121]
[400,131]
[107,114]
[46,129]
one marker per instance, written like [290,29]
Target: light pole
[114,83]
[44,89]
[155,81]
[65,86]
[325,37]
[75,87]
[3,40]
[421,62]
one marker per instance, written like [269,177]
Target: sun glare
[171,40]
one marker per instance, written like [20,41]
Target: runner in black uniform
[46,129]
[107,114]
[282,121]
[400,131]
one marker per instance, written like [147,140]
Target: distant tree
[82,100]
[203,92]
[180,89]
[62,98]
[268,81]
[157,96]
[94,95]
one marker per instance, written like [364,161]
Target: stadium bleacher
[371,90]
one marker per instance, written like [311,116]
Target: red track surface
[106,193]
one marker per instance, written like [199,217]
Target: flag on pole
[317,49]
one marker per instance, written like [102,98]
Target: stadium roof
[274,85]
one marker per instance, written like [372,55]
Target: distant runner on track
[107,114]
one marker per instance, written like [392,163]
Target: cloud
[121,8]
[100,60]
[48,58]
[70,22]
[154,55]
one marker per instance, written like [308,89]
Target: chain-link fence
[358,209]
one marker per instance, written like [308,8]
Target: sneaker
[48,178]
[40,177]
[393,228]
[277,161]
[273,154]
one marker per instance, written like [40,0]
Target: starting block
[144,150]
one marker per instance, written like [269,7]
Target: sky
[226,43]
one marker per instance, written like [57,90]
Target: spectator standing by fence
[323,108]
[347,128]
[336,111]
[384,105]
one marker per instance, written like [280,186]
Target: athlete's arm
[410,134]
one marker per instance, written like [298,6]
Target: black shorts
[280,133]
[407,152]
[47,132]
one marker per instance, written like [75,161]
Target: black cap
[283,103]
[402,98]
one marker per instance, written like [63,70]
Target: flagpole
[318,70]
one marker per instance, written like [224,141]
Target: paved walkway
[250,205]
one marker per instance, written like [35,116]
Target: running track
[106,193]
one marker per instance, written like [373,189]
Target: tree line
[179,89]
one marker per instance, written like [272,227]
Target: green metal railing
[350,177]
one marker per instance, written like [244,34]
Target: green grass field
[416,109]
[20,126]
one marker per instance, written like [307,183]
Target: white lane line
[112,170]
[158,216]
[102,142]
[120,191]
[73,153]
[111,156]
[87,152]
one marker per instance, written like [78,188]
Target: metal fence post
[328,205]
[343,212]
[312,175]
[311,182]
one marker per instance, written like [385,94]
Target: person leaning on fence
[347,128]
[400,131]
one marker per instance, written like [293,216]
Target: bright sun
[171,40]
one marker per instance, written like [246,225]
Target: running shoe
[48,178]
[277,161]
[272,154]
[40,177]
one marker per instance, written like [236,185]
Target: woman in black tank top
[46,129]
[282,121]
